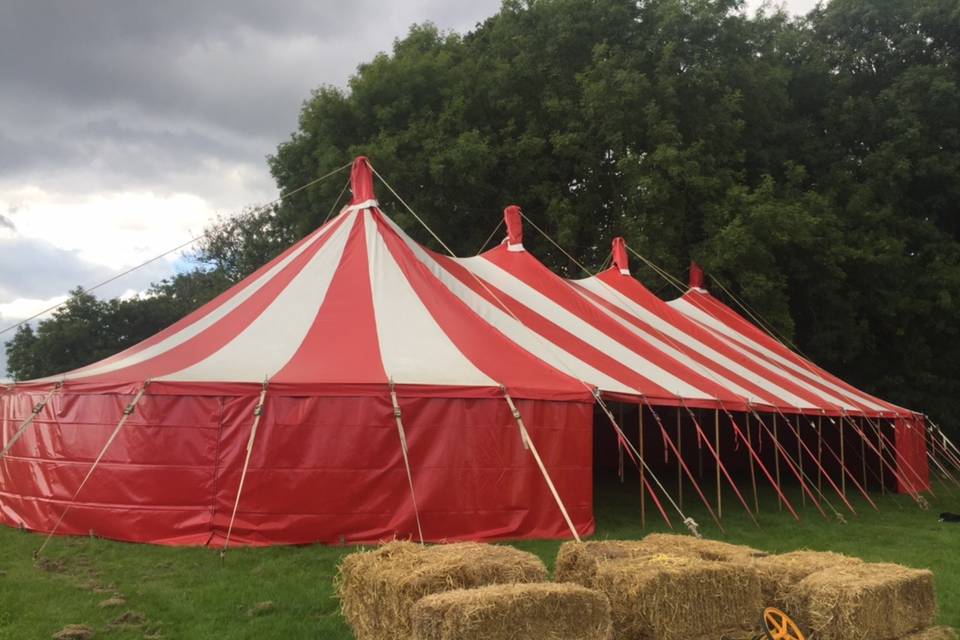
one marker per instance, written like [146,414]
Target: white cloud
[117,230]
[22,308]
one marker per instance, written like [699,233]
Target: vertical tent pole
[820,452]
[910,471]
[257,415]
[763,467]
[702,437]
[690,523]
[883,481]
[643,479]
[853,477]
[920,500]
[716,439]
[29,420]
[398,417]
[753,471]
[678,450]
[799,444]
[863,461]
[830,481]
[528,444]
[776,456]
[127,412]
[790,465]
[685,469]
[843,454]
[620,448]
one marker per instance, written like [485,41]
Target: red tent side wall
[911,445]
[324,469]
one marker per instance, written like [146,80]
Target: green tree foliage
[811,164]
[86,329]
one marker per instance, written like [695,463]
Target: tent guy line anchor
[528,444]
[127,412]
[543,340]
[257,415]
[30,419]
[398,416]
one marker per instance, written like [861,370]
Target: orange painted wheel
[779,626]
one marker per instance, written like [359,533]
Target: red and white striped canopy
[358,304]
[348,309]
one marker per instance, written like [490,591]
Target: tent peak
[361,182]
[620,258]
[696,276]
[513,218]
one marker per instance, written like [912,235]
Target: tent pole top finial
[696,276]
[620,260]
[513,218]
[361,181]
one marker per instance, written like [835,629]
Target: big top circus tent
[361,387]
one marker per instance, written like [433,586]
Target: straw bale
[578,561]
[377,588]
[864,601]
[547,611]
[933,633]
[779,573]
[671,597]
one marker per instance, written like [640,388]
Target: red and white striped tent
[361,387]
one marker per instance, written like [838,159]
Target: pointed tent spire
[514,220]
[620,259]
[696,276]
[361,183]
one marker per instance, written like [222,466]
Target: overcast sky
[127,125]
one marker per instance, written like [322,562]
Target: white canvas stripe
[413,347]
[516,331]
[604,291]
[207,321]
[533,299]
[268,343]
[732,336]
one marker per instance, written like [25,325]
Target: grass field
[188,593]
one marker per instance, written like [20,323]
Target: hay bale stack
[864,601]
[578,561]
[779,573]
[506,612]
[702,548]
[670,597]
[377,588]
[933,633]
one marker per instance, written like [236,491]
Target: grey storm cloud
[135,90]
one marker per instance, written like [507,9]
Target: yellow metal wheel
[779,626]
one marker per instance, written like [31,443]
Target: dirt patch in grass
[129,620]
[74,632]
[261,609]
[111,602]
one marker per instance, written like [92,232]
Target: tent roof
[725,323]
[347,308]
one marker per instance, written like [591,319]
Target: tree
[86,329]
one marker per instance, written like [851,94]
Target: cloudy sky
[127,125]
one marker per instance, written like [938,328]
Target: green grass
[189,593]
